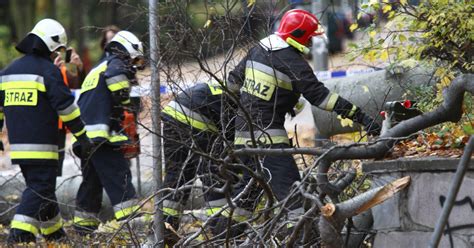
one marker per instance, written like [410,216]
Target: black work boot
[84,230]
[17,236]
[220,227]
[59,236]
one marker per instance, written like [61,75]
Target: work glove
[87,146]
[299,106]
[371,127]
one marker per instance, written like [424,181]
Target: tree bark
[23,15]
[449,110]
[334,215]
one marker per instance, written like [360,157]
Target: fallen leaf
[353,27]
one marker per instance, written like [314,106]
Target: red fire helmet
[300,25]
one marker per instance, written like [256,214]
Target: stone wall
[408,219]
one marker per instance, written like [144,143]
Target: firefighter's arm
[236,77]
[62,101]
[318,95]
[118,82]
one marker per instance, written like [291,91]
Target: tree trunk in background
[23,16]
[111,12]
[76,29]
[81,39]
[72,34]
[52,9]
[45,9]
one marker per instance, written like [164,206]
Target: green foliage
[7,49]
[438,33]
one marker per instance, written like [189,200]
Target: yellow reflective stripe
[118,86]
[148,217]
[24,226]
[103,134]
[238,218]
[98,134]
[201,237]
[265,140]
[302,48]
[2,116]
[117,138]
[170,211]
[188,120]
[211,211]
[53,228]
[80,132]
[23,85]
[33,155]
[92,79]
[353,110]
[267,78]
[126,212]
[69,117]
[215,87]
[21,97]
[85,222]
[126,102]
[332,102]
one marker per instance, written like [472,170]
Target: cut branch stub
[334,216]
[386,192]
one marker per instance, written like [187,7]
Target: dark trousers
[106,169]
[280,172]
[61,148]
[39,198]
[182,143]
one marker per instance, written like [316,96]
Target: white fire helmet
[52,33]
[131,43]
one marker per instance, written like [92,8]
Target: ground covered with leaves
[439,144]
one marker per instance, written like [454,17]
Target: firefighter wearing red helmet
[273,76]
[297,27]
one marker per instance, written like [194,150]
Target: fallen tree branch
[334,215]
[449,110]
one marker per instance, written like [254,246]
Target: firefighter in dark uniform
[274,75]
[104,96]
[33,96]
[198,120]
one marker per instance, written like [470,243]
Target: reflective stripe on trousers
[25,223]
[52,225]
[172,208]
[34,151]
[215,206]
[267,137]
[126,208]
[239,214]
[32,225]
[85,218]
